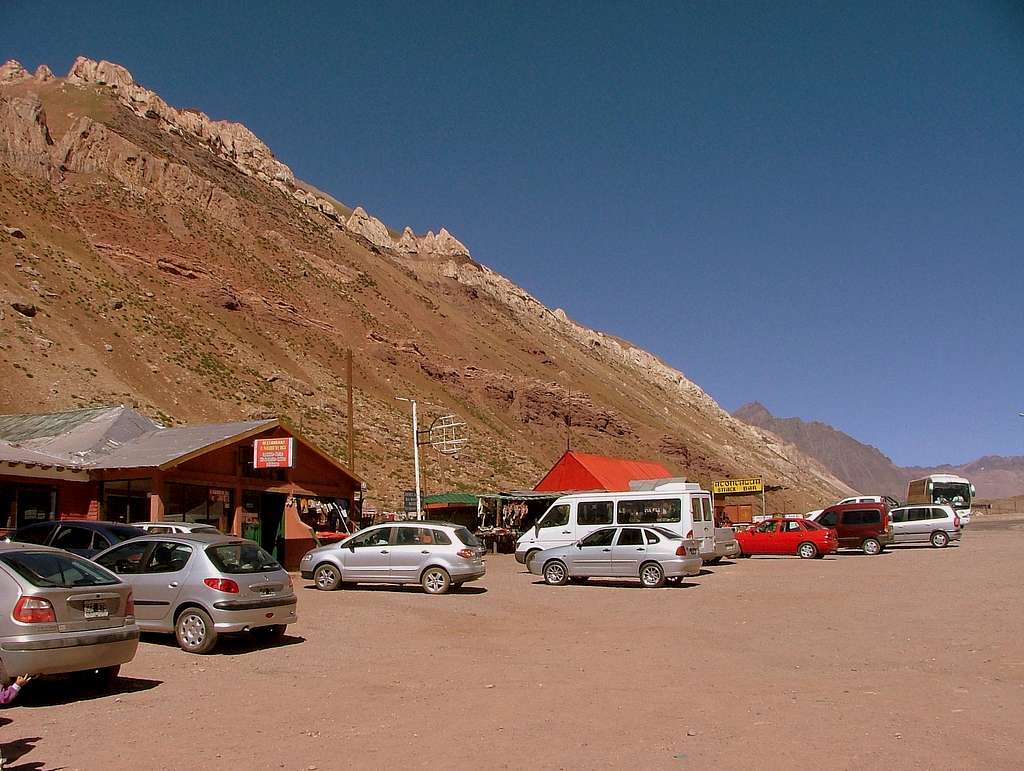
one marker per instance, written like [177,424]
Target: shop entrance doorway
[264,521]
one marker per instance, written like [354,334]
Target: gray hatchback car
[62,613]
[437,555]
[201,585]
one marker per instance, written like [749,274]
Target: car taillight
[34,610]
[690,534]
[466,554]
[681,551]
[222,585]
[129,605]
[956,521]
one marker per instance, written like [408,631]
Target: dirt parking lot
[913,658]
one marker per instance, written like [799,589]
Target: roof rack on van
[666,485]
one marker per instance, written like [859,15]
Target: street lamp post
[415,453]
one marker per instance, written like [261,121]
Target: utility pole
[351,422]
[415,453]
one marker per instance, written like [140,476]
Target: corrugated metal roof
[584,471]
[22,428]
[164,445]
[466,499]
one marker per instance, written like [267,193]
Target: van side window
[557,516]
[862,517]
[898,515]
[594,513]
[919,515]
[828,519]
[938,514]
[634,512]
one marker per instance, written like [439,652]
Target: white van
[682,507]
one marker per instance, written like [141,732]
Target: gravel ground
[912,659]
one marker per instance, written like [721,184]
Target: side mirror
[352,547]
[579,544]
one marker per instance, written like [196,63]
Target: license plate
[267,592]
[96,610]
[691,551]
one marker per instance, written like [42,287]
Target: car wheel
[194,631]
[530,557]
[436,581]
[102,679]
[871,546]
[555,573]
[651,575]
[743,555]
[807,550]
[272,632]
[940,539]
[327,577]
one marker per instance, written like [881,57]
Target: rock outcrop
[232,141]
[24,137]
[11,71]
[89,147]
[43,73]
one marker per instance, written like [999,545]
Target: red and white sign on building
[273,453]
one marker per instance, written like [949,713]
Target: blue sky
[814,206]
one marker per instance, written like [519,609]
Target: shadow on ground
[230,644]
[400,588]
[65,689]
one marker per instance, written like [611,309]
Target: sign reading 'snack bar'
[752,485]
[273,453]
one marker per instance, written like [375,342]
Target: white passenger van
[682,507]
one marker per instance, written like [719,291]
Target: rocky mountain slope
[867,470]
[155,256]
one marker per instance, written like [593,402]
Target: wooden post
[351,421]
[156,498]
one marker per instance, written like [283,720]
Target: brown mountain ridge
[867,470]
[155,256]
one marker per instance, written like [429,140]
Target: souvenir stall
[329,519]
[504,516]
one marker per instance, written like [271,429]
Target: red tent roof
[582,471]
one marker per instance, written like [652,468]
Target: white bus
[946,489]
[682,507]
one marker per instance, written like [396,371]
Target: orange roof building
[580,471]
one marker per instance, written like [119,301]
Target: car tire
[939,539]
[530,557]
[652,575]
[436,580]
[327,577]
[743,555]
[102,679]
[871,546]
[194,631]
[555,573]
[273,632]
[807,550]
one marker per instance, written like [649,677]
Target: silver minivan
[436,555]
[937,525]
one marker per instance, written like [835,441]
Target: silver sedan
[650,553]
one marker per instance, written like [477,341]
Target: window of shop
[245,463]
[197,503]
[25,504]
[126,500]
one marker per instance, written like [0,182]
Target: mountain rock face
[867,470]
[173,262]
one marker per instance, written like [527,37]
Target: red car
[788,536]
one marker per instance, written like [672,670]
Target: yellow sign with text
[752,485]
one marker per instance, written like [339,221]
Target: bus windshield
[956,494]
